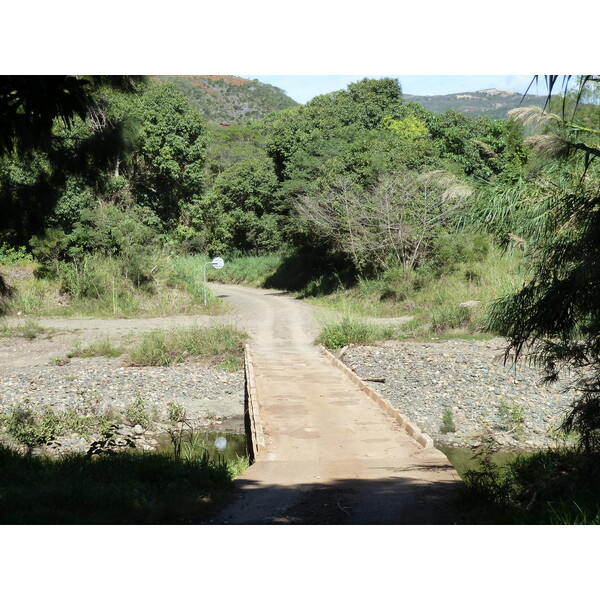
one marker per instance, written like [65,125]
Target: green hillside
[226,98]
[491,103]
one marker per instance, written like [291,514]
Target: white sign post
[217,263]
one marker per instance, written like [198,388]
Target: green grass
[433,300]
[103,347]
[252,271]
[123,489]
[29,329]
[351,331]
[218,344]
[99,287]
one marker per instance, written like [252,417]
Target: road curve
[332,456]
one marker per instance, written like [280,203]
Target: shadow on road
[398,501]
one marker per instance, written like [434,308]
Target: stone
[469,304]
[138,429]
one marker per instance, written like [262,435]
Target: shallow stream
[218,445]
[466,458]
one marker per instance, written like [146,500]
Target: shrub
[447,425]
[450,250]
[137,413]
[29,428]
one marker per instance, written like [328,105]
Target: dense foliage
[356,181]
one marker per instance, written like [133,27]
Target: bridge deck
[330,454]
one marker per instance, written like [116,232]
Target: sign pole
[217,263]
[205,282]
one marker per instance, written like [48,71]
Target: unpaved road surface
[331,455]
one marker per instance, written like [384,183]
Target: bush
[450,250]
[137,413]
[14,256]
[447,425]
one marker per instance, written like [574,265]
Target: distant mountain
[230,99]
[492,103]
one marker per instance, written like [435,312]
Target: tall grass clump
[102,347]
[220,344]
[99,284]
[351,331]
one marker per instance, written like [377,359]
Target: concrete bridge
[328,450]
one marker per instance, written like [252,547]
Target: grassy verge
[122,489]
[243,270]
[100,286]
[219,345]
[433,300]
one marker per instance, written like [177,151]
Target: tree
[168,172]
[302,137]
[30,106]
[555,316]
[392,223]
[242,211]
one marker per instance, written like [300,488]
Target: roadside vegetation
[366,206]
[112,483]
[552,487]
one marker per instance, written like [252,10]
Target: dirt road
[331,455]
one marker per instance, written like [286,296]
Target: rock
[138,429]
[469,304]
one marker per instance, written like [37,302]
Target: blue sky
[304,87]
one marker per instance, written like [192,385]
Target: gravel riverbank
[468,382]
[212,398]
[438,385]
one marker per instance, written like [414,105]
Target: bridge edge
[411,429]
[254,423]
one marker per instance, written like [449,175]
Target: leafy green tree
[168,171]
[228,145]
[30,106]
[325,124]
[410,127]
[242,211]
